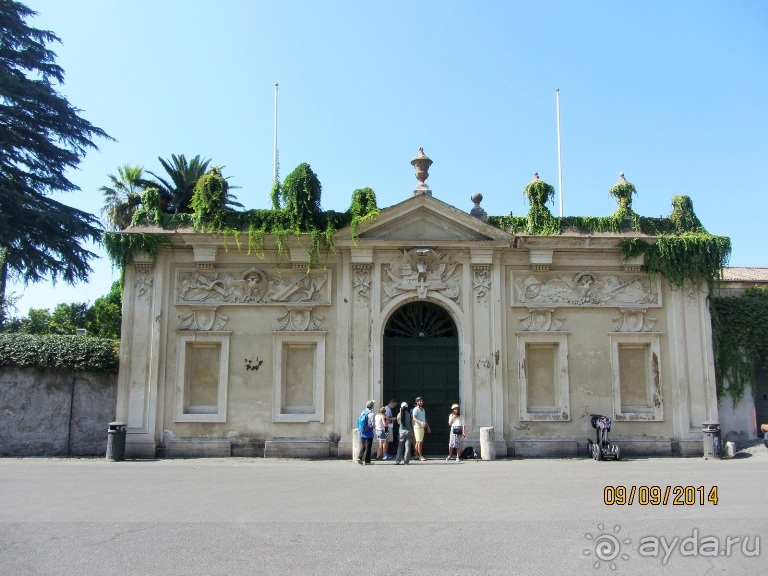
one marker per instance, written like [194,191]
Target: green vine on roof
[301,217]
[694,257]
[122,248]
[682,250]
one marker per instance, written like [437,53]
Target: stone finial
[477,211]
[536,177]
[421,163]
[622,180]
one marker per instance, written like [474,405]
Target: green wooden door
[421,358]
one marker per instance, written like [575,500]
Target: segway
[602,449]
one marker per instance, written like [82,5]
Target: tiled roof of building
[739,274]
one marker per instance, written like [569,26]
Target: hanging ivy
[363,208]
[301,193]
[683,217]
[538,192]
[694,257]
[209,201]
[623,192]
[540,219]
[121,248]
[740,340]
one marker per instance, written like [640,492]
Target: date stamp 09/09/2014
[660,495]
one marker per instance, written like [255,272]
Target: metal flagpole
[559,155]
[274,166]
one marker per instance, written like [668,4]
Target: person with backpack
[456,425]
[365,424]
[405,435]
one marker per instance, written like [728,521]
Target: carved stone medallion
[421,270]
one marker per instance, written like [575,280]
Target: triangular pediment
[425,219]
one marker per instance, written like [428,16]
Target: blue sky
[673,94]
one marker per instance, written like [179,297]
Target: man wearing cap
[366,434]
[405,434]
[419,426]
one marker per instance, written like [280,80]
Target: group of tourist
[412,426]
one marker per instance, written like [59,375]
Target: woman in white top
[380,427]
[456,425]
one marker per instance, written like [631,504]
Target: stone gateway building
[229,353]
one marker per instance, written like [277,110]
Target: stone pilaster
[692,366]
[361,273]
[483,362]
[137,387]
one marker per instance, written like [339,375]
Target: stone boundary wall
[55,413]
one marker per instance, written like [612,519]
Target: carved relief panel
[584,289]
[481,283]
[253,286]
[361,284]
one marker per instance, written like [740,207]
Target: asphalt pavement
[334,517]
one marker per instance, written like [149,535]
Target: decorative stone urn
[421,163]
[477,211]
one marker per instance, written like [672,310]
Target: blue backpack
[363,424]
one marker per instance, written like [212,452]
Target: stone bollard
[487,443]
[355,444]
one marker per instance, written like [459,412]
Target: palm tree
[122,196]
[183,177]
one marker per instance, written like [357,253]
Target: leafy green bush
[76,353]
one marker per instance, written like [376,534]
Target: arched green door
[421,358]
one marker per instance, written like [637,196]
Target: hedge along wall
[57,395]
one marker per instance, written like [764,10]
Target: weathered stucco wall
[48,413]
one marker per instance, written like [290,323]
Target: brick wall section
[50,413]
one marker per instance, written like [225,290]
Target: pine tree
[41,136]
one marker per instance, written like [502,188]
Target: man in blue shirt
[366,434]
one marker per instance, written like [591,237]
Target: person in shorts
[380,429]
[456,426]
[420,426]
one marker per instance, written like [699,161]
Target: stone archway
[421,358]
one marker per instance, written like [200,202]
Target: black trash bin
[713,445]
[116,441]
